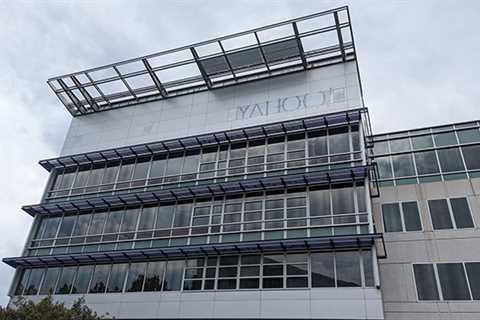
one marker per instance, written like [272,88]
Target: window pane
[348,269]
[425,281]
[98,222]
[426,162]
[473,272]
[154,279]
[165,217]
[126,171]
[136,276]
[445,139]
[158,167]
[83,278]
[67,226]
[322,269]
[422,142]
[147,218]
[367,267]
[141,171]
[114,220]
[380,147]
[317,144]
[403,165]
[23,282]
[384,167]
[471,154]
[450,160]
[130,220]
[65,282]
[440,214]
[453,281]
[49,281]
[174,165]
[461,213]
[272,283]
[117,277]
[411,216]
[99,280]
[338,140]
[183,213]
[173,275]
[467,136]
[400,145]
[191,162]
[34,281]
[391,217]
[342,200]
[320,202]
[82,225]
[51,227]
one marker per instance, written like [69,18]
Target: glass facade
[428,155]
[319,150]
[228,272]
[337,209]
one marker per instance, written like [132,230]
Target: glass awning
[294,45]
[134,255]
[219,188]
[204,140]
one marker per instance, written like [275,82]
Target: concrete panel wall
[318,91]
[405,248]
[328,303]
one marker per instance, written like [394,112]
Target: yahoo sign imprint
[291,104]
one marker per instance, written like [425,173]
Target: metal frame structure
[205,140]
[265,52]
[220,188]
[264,246]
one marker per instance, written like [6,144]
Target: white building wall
[328,303]
[405,248]
[318,91]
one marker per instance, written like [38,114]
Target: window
[471,154]
[99,280]
[49,281]
[140,172]
[65,283]
[403,165]
[297,270]
[401,217]
[426,162]
[380,147]
[34,281]
[323,269]
[173,275]
[450,160]
[66,226]
[452,281]
[136,277]
[426,283]
[445,139]
[400,145]
[384,167]
[154,278]
[22,284]
[83,279]
[450,213]
[422,142]
[348,269]
[447,281]
[117,277]
[342,200]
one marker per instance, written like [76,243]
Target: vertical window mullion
[437,280]
[402,218]
[450,211]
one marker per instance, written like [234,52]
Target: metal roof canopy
[294,45]
[204,140]
[220,188]
[265,246]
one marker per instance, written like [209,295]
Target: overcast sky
[418,62]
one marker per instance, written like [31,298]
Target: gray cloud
[418,60]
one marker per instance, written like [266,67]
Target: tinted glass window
[461,213]
[367,268]
[384,167]
[422,142]
[67,226]
[82,280]
[338,140]
[440,214]
[473,272]
[426,162]
[453,281]
[400,145]
[98,222]
[99,280]
[173,275]
[23,282]
[147,218]
[380,147]
[445,139]
[391,217]
[471,154]
[348,269]
[49,281]
[468,136]
[34,281]
[411,216]
[117,277]
[51,227]
[342,200]
[113,222]
[136,276]
[450,160]
[165,217]
[183,213]
[65,282]
[154,279]
[130,220]
[322,265]
[82,224]
[320,202]
[425,281]
[403,165]
[317,144]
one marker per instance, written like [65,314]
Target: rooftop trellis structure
[290,46]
